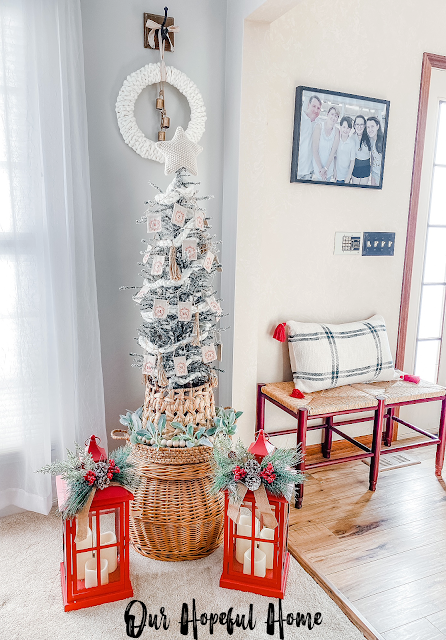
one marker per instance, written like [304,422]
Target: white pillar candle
[83,557]
[259,563]
[244,528]
[91,576]
[111,554]
[267,547]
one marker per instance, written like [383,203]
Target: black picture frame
[346,104]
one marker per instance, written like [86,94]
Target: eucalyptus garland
[82,474]
[235,464]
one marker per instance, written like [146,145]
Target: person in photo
[361,169]
[346,152]
[307,124]
[376,137]
[325,143]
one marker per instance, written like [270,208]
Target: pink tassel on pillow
[297,394]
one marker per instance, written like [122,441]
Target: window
[432,305]
[11,94]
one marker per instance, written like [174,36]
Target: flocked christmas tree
[180,333]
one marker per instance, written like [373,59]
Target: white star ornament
[180,152]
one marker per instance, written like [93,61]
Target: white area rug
[31,599]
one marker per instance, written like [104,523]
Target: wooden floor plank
[439,620]
[358,487]
[409,602]
[311,536]
[385,551]
[414,631]
[353,469]
[370,510]
[352,613]
[376,544]
[392,571]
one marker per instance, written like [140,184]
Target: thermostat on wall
[348,243]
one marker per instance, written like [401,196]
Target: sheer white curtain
[51,391]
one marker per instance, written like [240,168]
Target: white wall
[285,267]
[113,48]
[238,12]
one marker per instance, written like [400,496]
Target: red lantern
[96,570]
[256,558]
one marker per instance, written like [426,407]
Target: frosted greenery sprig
[225,456]
[82,474]
[235,464]
[283,461]
[77,464]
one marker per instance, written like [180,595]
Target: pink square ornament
[180,365]
[179,215]
[199,220]
[148,367]
[190,248]
[154,223]
[208,260]
[214,305]
[157,265]
[185,311]
[160,308]
[208,353]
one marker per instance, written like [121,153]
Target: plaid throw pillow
[324,356]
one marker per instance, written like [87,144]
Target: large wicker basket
[174,516]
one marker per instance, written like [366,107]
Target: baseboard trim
[338,598]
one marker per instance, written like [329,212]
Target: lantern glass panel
[248,538]
[109,533]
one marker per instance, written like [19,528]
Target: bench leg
[302,440]
[388,435]
[328,438]
[376,445]
[260,420]
[441,446]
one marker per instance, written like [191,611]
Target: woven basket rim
[174,455]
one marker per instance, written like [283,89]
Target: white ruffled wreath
[125,105]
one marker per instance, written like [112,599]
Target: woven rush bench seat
[380,398]
[400,391]
[335,400]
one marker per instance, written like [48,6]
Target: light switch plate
[347,243]
[378,244]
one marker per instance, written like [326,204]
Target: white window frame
[438,367]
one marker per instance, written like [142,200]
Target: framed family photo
[339,138]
